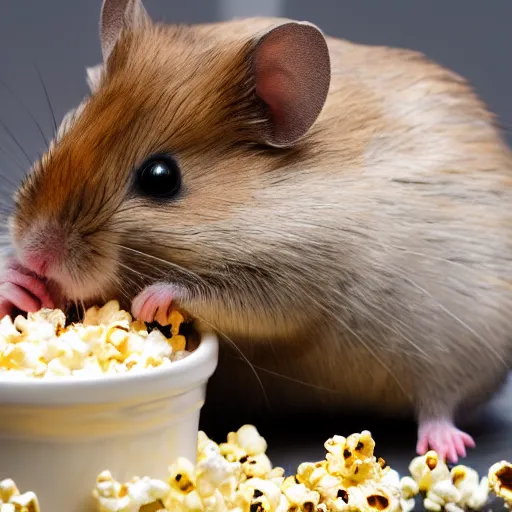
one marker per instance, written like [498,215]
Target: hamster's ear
[292,74]
[117,15]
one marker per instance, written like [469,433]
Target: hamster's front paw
[442,436]
[154,303]
[23,290]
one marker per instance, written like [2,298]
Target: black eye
[159,176]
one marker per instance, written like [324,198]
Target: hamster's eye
[159,176]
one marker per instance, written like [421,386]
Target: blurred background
[60,38]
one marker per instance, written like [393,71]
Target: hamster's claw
[154,303]
[23,290]
[442,436]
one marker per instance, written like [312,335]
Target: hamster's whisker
[47,99]
[242,356]
[130,280]
[16,142]
[366,312]
[379,360]
[291,379]
[124,293]
[13,159]
[371,350]
[165,262]
[6,194]
[27,110]
[455,317]
[83,308]
[136,272]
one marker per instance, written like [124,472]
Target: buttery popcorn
[237,476]
[108,341]
[219,482]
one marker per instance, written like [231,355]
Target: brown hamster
[340,212]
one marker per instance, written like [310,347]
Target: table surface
[300,439]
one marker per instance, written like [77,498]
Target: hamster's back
[419,180]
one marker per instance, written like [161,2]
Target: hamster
[339,213]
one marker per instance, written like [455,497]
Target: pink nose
[43,249]
[43,258]
[38,263]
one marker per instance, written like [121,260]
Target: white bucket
[57,435]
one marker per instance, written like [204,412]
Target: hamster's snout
[43,250]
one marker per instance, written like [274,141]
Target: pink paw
[23,290]
[154,303]
[442,436]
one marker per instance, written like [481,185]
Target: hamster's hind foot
[442,436]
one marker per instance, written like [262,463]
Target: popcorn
[140,494]
[441,494]
[8,489]
[300,497]
[427,470]
[454,491]
[182,475]
[248,439]
[265,495]
[12,501]
[474,492]
[220,482]
[408,490]
[108,341]
[258,466]
[500,481]
[352,458]
[237,476]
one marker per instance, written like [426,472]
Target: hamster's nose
[39,263]
[43,252]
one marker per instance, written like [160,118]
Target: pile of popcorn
[108,341]
[237,476]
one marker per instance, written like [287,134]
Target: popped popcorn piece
[352,458]
[108,341]
[12,501]
[474,492]
[440,494]
[264,493]
[258,466]
[408,490]
[8,333]
[500,481]
[427,470]
[8,489]
[248,439]
[138,494]
[26,502]
[182,475]
[215,472]
[299,496]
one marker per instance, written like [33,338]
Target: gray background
[473,37]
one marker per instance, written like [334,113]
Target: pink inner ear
[292,72]
[271,88]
